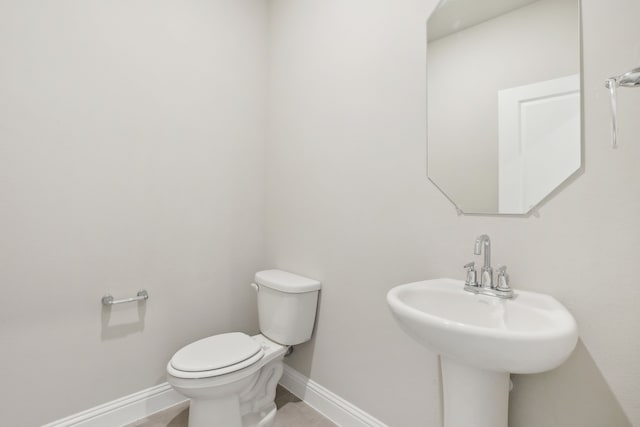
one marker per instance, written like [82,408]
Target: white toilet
[231,378]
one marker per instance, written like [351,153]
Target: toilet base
[227,413]
[265,418]
[252,407]
[215,412]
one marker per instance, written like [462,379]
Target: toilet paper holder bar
[142,295]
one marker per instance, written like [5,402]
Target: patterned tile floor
[291,413]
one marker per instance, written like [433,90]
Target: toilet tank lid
[286,282]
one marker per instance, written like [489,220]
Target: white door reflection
[538,138]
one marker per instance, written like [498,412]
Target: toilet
[231,378]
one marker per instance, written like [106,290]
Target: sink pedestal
[473,396]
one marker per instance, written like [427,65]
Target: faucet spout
[483,244]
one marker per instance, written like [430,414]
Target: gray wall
[131,155]
[349,203]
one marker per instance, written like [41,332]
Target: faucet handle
[503,279]
[471,274]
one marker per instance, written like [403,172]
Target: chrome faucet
[483,243]
[486,286]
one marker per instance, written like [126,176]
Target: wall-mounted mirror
[504,116]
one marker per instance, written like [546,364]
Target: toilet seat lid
[216,352]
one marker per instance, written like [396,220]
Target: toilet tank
[286,306]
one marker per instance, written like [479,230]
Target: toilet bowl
[231,378]
[240,394]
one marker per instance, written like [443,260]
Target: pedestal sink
[481,340]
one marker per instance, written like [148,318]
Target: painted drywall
[349,203]
[131,156]
[467,69]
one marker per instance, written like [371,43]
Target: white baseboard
[139,405]
[124,410]
[327,403]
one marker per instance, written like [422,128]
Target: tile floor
[291,413]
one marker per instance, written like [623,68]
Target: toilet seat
[216,355]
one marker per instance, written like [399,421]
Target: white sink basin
[527,334]
[481,339]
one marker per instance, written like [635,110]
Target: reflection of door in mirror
[478,49]
[538,136]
